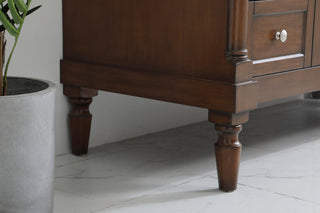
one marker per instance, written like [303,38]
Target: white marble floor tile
[294,172]
[175,171]
[66,202]
[196,197]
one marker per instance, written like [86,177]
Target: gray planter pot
[27,146]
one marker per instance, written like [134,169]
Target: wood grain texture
[171,88]
[79,117]
[316,37]
[309,25]
[280,6]
[250,26]
[79,92]
[237,33]
[189,52]
[228,119]
[186,37]
[264,29]
[281,85]
[278,64]
[270,55]
[228,152]
[80,125]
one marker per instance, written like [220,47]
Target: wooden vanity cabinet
[223,55]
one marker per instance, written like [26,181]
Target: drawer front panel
[268,53]
[280,6]
[264,31]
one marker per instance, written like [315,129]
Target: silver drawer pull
[283,36]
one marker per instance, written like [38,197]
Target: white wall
[119,116]
[116,117]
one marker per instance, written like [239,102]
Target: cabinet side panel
[178,37]
[316,37]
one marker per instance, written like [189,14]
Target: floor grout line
[278,193]
[180,183]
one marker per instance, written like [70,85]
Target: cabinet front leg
[79,117]
[228,147]
[228,153]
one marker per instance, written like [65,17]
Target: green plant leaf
[5,9]
[33,9]
[8,25]
[15,14]
[16,33]
[21,5]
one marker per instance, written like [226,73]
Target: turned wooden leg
[228,148]
[79,117]
[228,153]
[80,125]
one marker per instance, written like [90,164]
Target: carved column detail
[228,153]
[237,31]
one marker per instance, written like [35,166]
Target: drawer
[264,32]
[269,18]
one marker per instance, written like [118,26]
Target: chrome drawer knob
[283,36]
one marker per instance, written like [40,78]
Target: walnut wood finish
[278,64]
[79,117]
[167,36]
[316,43]
[228,153]
[264,29]
[228,148]
[280,6]
[237,37]
[193,52]
[308,44]
[80,125]
[270,55]
[286,84]
[166,87]
[316,37]
[183,51]
[228,119]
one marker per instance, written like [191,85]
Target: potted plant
[26,126]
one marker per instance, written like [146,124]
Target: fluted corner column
[237,31]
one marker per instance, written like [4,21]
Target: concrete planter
[27,146]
